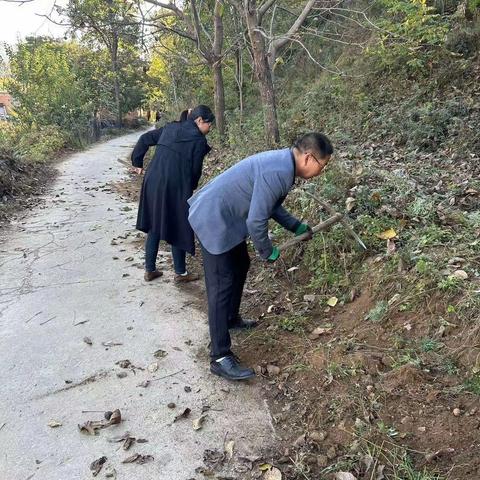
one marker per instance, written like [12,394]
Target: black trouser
[151,251]
[225,276]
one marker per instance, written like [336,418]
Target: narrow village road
[72,268]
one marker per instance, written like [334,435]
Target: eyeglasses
[315,158]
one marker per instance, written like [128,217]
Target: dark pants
[225,276]
[151,250]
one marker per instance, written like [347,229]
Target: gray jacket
[240,201]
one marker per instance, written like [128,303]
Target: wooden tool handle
[317,228]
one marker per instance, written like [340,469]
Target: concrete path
[72,268]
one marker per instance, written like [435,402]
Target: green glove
[274,255]
[302,228]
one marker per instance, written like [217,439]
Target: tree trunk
[116,81]
[263,76]
[239,81]
[219,97]
[219,93]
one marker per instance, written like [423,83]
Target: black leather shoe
[230,369]
[240,323]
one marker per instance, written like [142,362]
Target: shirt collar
[294,166]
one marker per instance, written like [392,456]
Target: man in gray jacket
[238,204]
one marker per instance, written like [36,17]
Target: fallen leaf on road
[54,424]
[111,344]
[88,340]
[229,449]
[97,465]
[153,367]
[91,427]
[184,414]
[160,354]
[126,438]
[198,422]
[115,418]
[264,467]
[137,458]
[124,363]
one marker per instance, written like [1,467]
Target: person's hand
[304,228]
[137,170]
[274,255]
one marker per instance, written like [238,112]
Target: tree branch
[263,9]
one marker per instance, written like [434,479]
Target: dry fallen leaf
[88,340]
[184,414]
[153,367]
[264,467]
[319,331]
[91,427]
[124,363]
[137,458]
[110,343]
[229,449]
[97,465]
[54,424]
[116,418]
[198,422]
[160,353]
[387,234]
[350,203]
[332,301]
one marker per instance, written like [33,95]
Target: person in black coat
[171,178]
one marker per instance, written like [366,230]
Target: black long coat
[170,179]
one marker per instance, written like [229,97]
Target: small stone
[422,429]
[457,412]
[187,388]
[121,374]
[370,388]
[322,461]
[171,405]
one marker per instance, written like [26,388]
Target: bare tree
[265,49]
[209,48]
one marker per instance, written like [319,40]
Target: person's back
[227,199]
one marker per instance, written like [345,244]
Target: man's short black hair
[204,112]
[315,142]
[183,116]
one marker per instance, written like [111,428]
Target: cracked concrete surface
[61,280]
